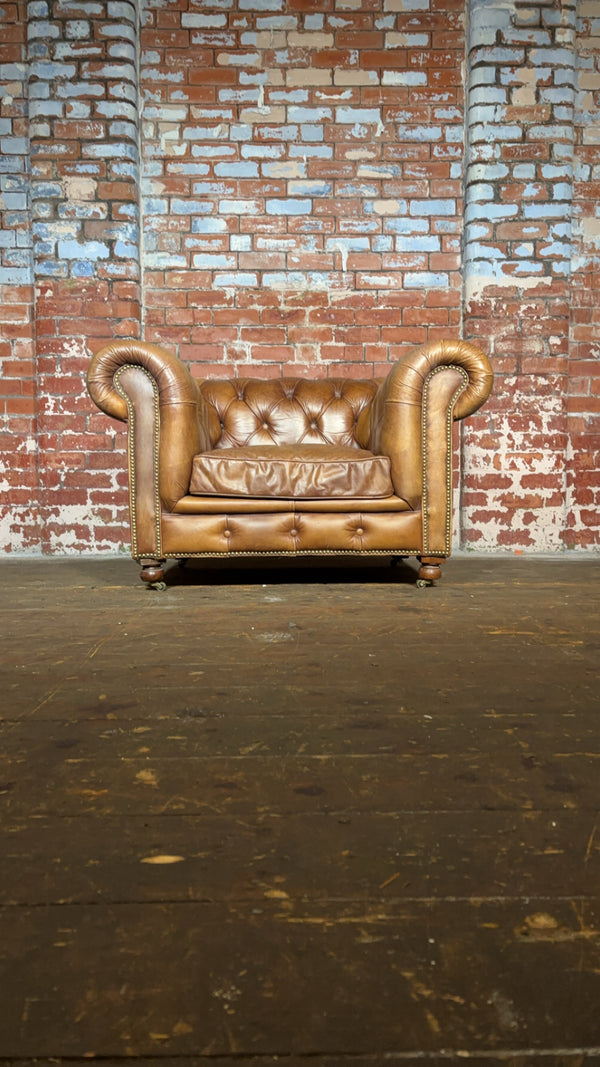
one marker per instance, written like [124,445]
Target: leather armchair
[243,467]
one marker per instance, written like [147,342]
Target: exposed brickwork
[19,525]
[83,127]
[583,472]
[299,170]
[302,194]
[523,61]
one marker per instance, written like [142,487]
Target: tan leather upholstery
[275,534]
[237,505]
[299,472]
[401,426]
[287,411]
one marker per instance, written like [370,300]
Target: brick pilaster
[583,460]
[517,263]
[83,113]
[19,519]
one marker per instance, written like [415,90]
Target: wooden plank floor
[305,816]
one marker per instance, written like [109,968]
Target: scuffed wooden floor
[312,817]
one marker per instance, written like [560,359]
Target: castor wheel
[152,574]
[429,572]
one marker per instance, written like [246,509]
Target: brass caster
[429,571]
[152,574]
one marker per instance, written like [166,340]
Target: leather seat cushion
[302,472]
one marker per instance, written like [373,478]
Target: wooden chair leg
[429,571]
[153,574]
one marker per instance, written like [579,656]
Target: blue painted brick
[545,211]
[312,133]
[213,150]
[556,57]
[351,115]
[501,56]
[52,71]
[190,207]
[68,90]
[426,280]
[14,201]
[52,231]
[126,250]
[312,151]
[164,260]
[50,268]
[261,5]
[90,250]
[347,244]
[417,244]
[489,171]
[236,170]
[479,191]
[491,132]
[210,225]
[293,279]
[406,225]
[309,114]
[485,210]
[14,146]
[156,206]
[475,250]
[235,280]
[213,262]
[196,170]
[524,171]
[240,131]
[309,188]
[288,207]
[432,207]
[110,151]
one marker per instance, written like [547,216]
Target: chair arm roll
[405,381]
[174,382]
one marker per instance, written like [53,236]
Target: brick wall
[19,518]
[276,186]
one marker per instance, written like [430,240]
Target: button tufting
[294,533]
[227,533]
[359,530]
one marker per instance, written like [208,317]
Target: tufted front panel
[355,531]
[288,411]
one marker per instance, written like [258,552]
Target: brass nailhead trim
[307,552]
[426,551]
[131,457]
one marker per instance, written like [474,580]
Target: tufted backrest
[247,411]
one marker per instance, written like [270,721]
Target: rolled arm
[406,381]
[156,394]
[428,386]
[173,380]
